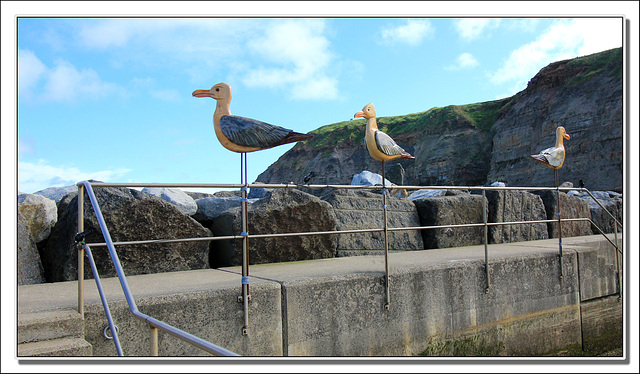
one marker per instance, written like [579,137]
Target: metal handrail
[154,323]
[199,342]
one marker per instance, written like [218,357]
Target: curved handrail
[185,336]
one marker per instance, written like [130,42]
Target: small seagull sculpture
[381,146]
[240,134]
[553,157]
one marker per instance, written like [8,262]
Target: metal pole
[386,242]
[559,223]
[245,243]
[153,341]
[81,251]
[486,228]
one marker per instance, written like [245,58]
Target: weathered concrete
[335,307]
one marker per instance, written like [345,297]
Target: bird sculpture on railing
[553,157]
[240,134]
[381,146]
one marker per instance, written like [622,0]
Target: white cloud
[412,33]
[464,61]
[564,39]
[472,28]
[37,176]
[62,82]
[299,56]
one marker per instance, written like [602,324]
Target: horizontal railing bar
[232,237]
[335,186]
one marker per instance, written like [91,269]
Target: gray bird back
[251,133]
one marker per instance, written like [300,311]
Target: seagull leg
[245,243]
[386,241]
[559,222]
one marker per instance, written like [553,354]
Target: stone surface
[570,207]
[451,210]
[40,213]
[356,210]
[179,198]
[611,201]
[130,215]
[423,194]
[211,207]
[279,211]
[515,206]
[57,193]
[29,265]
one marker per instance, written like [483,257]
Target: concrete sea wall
[440,304]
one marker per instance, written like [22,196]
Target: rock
[279,211]
[363,210]
[570,207]
[198,195]
[57,193]
[30,269]
[515,206]
[130,215]
[211,207]
[179,198]
[367,178]
[256,193]
[451,210]
[424,194]
[611,201]
[498,184]
[64,202]
[566,184]
[40,213]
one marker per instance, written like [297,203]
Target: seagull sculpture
[240,134]
[382,148]
[553,158]
[244,135]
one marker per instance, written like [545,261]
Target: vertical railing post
[386,242]
[559,224]
[486,234]
[245,243]
[153,341]
[81,251]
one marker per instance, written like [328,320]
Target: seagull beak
[359,114]
[202,93]
[566,136]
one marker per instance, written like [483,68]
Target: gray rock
[211,207]
[40,213]
[130,215]
[451,210]
[611,201]
[256,193]
[498,184]
[30,269]
[515,206]
[57,193]
[424,194]
[280,211]
[367,178]
[570,207]
[363,210]
[179,198]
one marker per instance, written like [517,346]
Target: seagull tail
[294,137]
[540,158]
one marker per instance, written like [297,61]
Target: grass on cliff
[597,63]
[482,115]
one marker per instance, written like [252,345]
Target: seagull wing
[555,156]
[387,145]
[252,133]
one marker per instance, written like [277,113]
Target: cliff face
[485,142]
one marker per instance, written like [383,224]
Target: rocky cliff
[481,143]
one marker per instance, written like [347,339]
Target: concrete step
[62,347]
[49,325]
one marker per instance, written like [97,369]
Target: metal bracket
[240,299]
[108,328]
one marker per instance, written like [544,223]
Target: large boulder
[185,203]
[57,193]
[30,269]
[611,201]
[40,213]
[515,206]
[279,211]
[451,210]
[570,207]
[363,210]
[211,207]
[130,215]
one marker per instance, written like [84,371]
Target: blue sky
[110,98]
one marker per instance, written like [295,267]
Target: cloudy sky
[110,98]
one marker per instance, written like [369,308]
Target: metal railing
[245,297]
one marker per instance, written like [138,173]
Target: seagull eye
[217,90]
